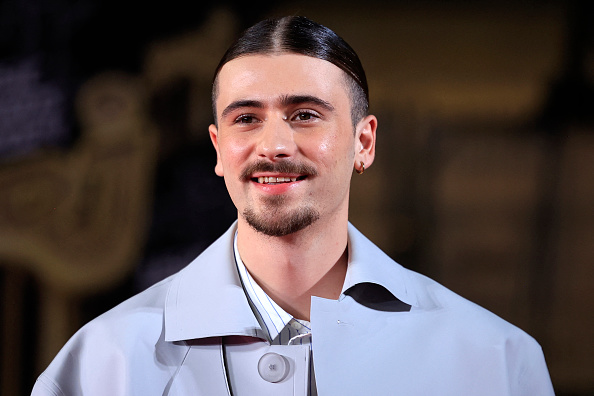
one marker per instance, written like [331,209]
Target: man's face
[285,141]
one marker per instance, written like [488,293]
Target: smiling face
[285,142]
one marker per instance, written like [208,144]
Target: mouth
[269,174]
[277,180]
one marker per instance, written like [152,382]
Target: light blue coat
[418,339]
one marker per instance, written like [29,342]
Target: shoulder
[136,320]
[435,311]
[478,331]
[107,351]
[139,313]
[436,298]
[127,345]
[474,337]
[368,263]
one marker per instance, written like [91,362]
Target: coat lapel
[202,372]
[206,298]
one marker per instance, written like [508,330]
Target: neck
[293,268]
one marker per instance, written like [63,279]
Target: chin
[275,224]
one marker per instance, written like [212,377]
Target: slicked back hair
[300,35]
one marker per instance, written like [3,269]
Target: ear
[365,142]
[214,136]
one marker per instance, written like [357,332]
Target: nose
[276,140]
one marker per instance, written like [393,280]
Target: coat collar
[206,299]
[369,264]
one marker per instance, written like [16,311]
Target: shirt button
[273,367]
[296,325]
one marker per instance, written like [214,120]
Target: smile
[277,180]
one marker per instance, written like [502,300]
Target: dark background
[483,177]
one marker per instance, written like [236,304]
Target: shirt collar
[270,315]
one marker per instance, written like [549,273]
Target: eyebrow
[241,103]
[285,100]
[288,100]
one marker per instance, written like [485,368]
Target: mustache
[284,166]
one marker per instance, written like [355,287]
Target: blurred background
[483,177]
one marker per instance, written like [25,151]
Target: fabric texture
[392,331]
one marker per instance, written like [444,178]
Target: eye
[245,119]
[305,115]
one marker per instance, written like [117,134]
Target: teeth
[266,179]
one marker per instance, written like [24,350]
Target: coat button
[273,367]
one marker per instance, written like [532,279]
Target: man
[293,299]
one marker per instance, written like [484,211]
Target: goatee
[273,222]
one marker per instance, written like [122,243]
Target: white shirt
[280,327]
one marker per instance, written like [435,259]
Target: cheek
[233,154]
[335,148]
[326,144]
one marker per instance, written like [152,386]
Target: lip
[280,187]
[274,174]
[282,177]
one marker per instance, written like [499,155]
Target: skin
[291,108]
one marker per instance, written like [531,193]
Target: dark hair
[300,35]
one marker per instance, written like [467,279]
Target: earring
[360,171]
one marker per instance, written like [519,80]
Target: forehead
[265,77]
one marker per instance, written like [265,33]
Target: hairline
[351,85]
